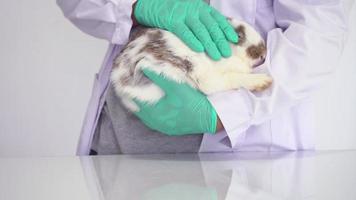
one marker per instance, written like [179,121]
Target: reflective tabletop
[325,175]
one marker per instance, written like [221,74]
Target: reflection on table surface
[288,175]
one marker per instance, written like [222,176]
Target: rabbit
[164,53]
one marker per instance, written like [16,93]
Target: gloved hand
[183,109]
[199,25]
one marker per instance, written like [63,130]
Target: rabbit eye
[240,30]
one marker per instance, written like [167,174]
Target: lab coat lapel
[237,9]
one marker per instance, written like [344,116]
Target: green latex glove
[183,109]
[199,25]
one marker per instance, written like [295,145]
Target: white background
[47,68]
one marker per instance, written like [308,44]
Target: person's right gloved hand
[183,110]
[196,23]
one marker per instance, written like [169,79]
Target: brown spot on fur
[135,33]
[125,80]
[130,46]
[157,47]
[188,64]
[240,30]
[255,52]
[155,35]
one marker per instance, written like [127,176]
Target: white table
[329,175]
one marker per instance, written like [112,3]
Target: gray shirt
[121,132]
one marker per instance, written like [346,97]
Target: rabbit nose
[258,63]
[262,57]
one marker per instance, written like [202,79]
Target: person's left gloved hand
[197,24]
[183,109]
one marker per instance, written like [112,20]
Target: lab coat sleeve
[106,19]
[301,54]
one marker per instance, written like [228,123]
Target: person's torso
[260,14]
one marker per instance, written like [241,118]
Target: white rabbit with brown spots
[165,54]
